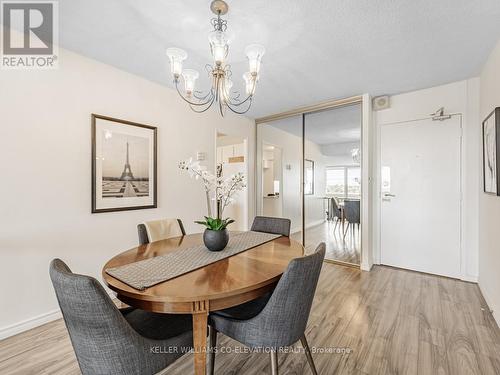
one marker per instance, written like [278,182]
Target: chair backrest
[102,339]
[283,320]
[275,225]
[144,237]
[335,208]
[352,211]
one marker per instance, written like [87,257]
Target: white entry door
[421,208]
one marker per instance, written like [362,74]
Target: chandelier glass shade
[220,93]
[356,155]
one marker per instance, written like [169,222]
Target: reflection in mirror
[279,163]
[332,211]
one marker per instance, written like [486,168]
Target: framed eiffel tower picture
[124,165]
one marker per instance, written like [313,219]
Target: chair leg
[212,336]
[336,223]
[346,229]
[303,340]
[274,362]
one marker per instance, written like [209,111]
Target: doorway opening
[232,154]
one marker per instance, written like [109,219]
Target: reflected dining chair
[108,340]
[352,214]
[156,230]
[335,211]
[283,320]
[274,225]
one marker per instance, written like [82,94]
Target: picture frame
[308,177]
[124,165]
[491,153]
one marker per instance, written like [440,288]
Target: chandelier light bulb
[254,54]
[250,81]
[176,56]
[219,45]
[190,76]
[228,84]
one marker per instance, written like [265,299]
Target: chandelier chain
[219,24]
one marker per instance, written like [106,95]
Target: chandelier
[219,72]
[356,155]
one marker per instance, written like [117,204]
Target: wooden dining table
[226,283]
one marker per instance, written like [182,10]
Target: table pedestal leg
[200,320]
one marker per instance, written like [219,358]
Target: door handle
[389,195]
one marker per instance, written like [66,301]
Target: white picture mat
[489,150]
[102,125]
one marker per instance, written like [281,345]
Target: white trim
[491,306]
[246,208]
[366,183]
[470,279]
[26,325]
[314,223]
[365,267]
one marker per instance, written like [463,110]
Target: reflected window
[353,182]
[335,181]
[343,182]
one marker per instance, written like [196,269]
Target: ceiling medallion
[219,72]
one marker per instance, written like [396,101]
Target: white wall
[489,205]
[45,167]
[460,98]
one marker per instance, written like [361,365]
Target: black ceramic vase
[215,240]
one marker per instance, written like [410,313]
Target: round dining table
[225,283]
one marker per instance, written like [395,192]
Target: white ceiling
[338,125]
[316,49]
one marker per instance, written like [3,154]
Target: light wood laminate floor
[345,249]
[394,322]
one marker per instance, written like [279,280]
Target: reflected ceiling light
[356,155]
[219,72]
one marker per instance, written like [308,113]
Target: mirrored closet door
[309,169]
[332,182]
[279,171]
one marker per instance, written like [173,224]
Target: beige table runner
[148,272]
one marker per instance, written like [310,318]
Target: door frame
[377,208]
[367,191]
[246,209]
[260,199]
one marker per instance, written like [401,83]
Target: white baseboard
[469,278]
[495,312]
[310,225]
[28,324]
[314,223]
[365,267]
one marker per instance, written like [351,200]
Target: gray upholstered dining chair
[335,211]
[275,225]
[108,340]
[283,320]
[143,233]
[352,211]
